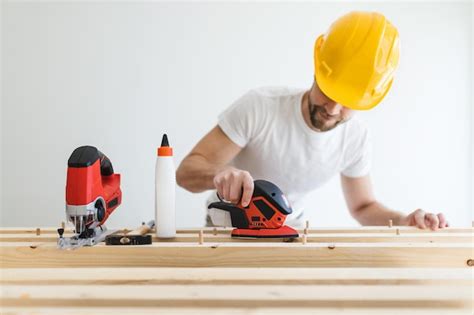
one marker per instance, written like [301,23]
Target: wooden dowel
[201,237]
[390,223]
[63,225]
[305,239]
[306,228]
[398,231]
[38,231]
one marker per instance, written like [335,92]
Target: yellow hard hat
[356,59]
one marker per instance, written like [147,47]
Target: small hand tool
[138,236]
[263,217]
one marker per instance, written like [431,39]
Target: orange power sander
[263,217]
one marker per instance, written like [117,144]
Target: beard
[316,114]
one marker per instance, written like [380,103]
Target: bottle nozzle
[165,149]
[164,141]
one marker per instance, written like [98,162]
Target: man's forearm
[196,174]
[377,214]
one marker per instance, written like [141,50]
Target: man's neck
[305,111]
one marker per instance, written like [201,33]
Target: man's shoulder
[356,130]
[268,99]
[357,124]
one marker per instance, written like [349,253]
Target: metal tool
[263,217]
[92,194]
[138,236]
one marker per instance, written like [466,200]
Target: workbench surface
[367,270]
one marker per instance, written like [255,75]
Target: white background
[118,75]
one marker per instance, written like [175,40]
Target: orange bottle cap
[165,151]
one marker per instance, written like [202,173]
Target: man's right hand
[234,185]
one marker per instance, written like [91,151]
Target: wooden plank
[27,255]
[222,230]
[342,238]
[360,229]
[238,296]
[84,310]
[311,238]
[226,276]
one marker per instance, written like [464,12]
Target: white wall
[472,114]
[118,75]
[1,111]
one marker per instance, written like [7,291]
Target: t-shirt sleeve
[358,155]
[238,121]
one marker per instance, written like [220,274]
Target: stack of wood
[367,270]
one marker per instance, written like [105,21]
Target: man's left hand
[425,220]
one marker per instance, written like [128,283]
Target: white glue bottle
[165,190]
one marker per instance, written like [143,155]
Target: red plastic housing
[85,184]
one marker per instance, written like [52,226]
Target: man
[299,139]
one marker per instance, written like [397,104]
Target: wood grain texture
[224,230]
[369,270]
[238,296]
[17,255]
[311,238]
[221,276]
[85,310]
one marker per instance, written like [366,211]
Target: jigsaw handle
[106,168]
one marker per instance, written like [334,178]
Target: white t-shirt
[278,146]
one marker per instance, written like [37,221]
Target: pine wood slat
[237,296]
[315,237]
[83,310]
[224,230]
[249,254]
[225,276]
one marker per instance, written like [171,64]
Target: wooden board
[407,237]
[237,296]
[251,254]
[85,310]
[225,276]
[369,270]
[224,230]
